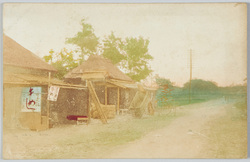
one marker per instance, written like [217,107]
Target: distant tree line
[201,90]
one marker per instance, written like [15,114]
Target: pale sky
[216,33]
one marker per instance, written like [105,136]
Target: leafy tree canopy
[137,58]
[113,49]
[162,82]
[163,94]
[85,39]
[63,61]
[199,85]
[130,53]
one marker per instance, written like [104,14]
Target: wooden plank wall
[12,107]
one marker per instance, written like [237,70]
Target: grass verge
[229,133]
[105,138]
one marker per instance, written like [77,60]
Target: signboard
[31,99]
[53,93]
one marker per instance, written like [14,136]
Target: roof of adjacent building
[100,67]
[16,55]
[33,80]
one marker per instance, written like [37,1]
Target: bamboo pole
[4,93]
[89,107]
[118,100]
[106,95]
[48,108]
[190,75]
[97,102]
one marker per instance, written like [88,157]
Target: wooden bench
[123,111]
[80,120]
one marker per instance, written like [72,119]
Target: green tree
[130,53]
[85,39]
[201,86]
[63,61]
[113,49]
[49,58]
[163,93]
[137,58]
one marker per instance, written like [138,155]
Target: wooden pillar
[48,109]
[106,95]
[118,100]
[89,107]
[3,102]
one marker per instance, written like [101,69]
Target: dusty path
[183,138]
[179,139]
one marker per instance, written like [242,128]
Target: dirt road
[186,136]
[183,138]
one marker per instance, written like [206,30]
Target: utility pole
[190,75]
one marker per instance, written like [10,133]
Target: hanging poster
[53,93]
[31,99]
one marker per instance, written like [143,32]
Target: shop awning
[30,79]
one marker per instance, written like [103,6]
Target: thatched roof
[98,65]
[33,80]
[16,55]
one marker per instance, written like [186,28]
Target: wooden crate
[108,110]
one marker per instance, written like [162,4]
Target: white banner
[53,93]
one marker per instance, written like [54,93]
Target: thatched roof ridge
[16,55]
[97,63]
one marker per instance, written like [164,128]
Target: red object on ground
[74,117]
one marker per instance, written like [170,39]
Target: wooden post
[106,95]
[97,103]
[48,109]
[118,100]
[3,102]
[89,107]
[190,76]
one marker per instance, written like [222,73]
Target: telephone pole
[190,75]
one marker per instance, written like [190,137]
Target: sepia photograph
[124,81]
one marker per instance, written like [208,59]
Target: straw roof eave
[27,67]
[97,64]
[16,55]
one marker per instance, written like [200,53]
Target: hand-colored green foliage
[113,49]
[49,57]
[199,85]
[163,94]
[201,91]
[62,61]
[130,53]
[85,39]
[137,58]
